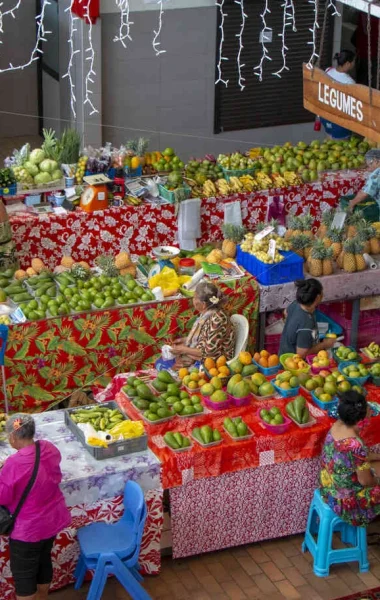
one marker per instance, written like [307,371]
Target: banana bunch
[133,201]
[291,178]
[235,184]
[209,188]
[197,191]
[249,183]
[222,187]
[279,180]
[263,180]
[254,153]
[373,350]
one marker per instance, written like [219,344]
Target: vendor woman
[371,190]
[300,335]
[212,334]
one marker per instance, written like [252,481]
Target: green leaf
[83,370]
[23,352]
[95,340]
[61,386]
[79,381]
[37,393]
[17,389]
[72,348]
[112,335]
[44,372]
[164,329]
[141,337]
[150,314]
[54,343]
[40,346]
[125,333]
[78,324]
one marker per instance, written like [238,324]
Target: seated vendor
[300,335]
[371,189]
[348,479]
[212,334]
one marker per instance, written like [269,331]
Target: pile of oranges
[217,368]
[266,360]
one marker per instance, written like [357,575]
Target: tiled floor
[272,570]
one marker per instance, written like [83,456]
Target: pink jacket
[44,513]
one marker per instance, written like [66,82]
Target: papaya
[178,438]
[299,403]
[242,429]
[160,386]
[185,442]
[144,392]
[290,410]
[206,433]
[236,366]
[241,389]
[171,441]
[249,370]
[235,379]
[305,415]
[165,377]
[173,389]
[216,435]
[197,435]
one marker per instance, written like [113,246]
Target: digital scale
[95,196]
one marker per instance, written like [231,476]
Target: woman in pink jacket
[44,513]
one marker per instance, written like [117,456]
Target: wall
[18,89]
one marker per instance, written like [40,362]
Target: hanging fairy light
[332,5]
[314,31]
[221,58]
[125,23]
[157,33]
[41,37]
[91,58]
[73,52]
[240,36]
[10,11]
[263,38]
[287,21]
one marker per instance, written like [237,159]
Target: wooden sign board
[346,105]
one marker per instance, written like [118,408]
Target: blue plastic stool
[322,523]
[114,549]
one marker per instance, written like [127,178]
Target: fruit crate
[355,380]
[276,429]
[243,438]
[290,269]
[324,405]
[316,370]
[118,448]
[228,173]
[240,401]
[296,372]
[267,371]
[224,380]
[216,405]
[310,423]
[130,173]
[11,190]
[286,393]
[344,362]
[174,196]
[179,449]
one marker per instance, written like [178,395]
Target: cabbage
[42,178]
[57,174]
[31,168]
[48,165]
[37,156]
[54,166]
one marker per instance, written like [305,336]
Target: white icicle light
[41,33]
[91,58]
[289,19]
[332,5]
[157,33]
[313,43]
[240,36]
[265,55]
[10,11]
[73,52]
[125,23]
[221,57]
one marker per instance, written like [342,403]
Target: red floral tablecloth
[66,550]
[48,359]
[139,229]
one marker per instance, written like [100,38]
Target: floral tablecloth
[93,491]
[139,229]
[48,359]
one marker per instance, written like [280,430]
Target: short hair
[371,155]
[210,294]
[308,290]
[21,426]
[352,407]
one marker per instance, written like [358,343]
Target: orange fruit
[209,364]
[182,373]
[245,358]
[256,356]
[264,354]
[213,372]
[221,361]
[263,362]
[273,360]
[194,376]
[224,370]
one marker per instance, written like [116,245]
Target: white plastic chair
[241,326]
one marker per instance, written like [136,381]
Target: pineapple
[122,260]
[79,272]
[38,265]
[359,258]
[367,234]
[306,224]
[130,270]
[67,261]
[326,221]
[107,264]
[353,220]
[142,146]
[301,245]
[333,240]
[316,258]
[294,227]
[233,235]
[349,251]
[327,265]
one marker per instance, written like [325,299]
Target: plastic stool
[323,522]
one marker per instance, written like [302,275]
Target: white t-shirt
[338,76]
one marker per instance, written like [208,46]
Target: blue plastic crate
[11,190]
[290,269]
[267,370]
[333,326]
[129,173]
[324,405]
[355,380]
[286,393]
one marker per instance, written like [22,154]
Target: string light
[73,52]
[221,58]
[10,11]
[91,58]
[265,55]
[313,43]
[41,33]
[333,7]
[288,20]
[157,33]
[125,23]
[240,36]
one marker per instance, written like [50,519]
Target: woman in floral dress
[348,480]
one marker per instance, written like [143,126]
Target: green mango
[144,392]
[305,415]
[178,438]
[290,410]
[216,435]
[163,413]
[197,435]
[160,386]
[165,377]
[242,429]
[299,403]
[142,404]
[173,389]
[186,442]
[206,433]
[249,370]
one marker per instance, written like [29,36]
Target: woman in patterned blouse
[212,334]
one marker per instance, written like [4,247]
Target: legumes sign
[347,105]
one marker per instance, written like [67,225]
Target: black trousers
[31,565]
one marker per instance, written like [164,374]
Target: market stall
[48,359]
[93,491]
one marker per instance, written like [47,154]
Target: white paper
[262,234]
[272,249]
[58,210]
[232,214]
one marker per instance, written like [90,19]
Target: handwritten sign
[349,106]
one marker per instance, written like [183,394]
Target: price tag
[17,316]
[262,234]
[339,219]
[272,249]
